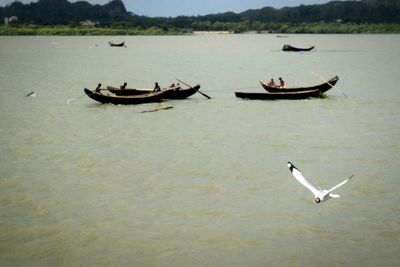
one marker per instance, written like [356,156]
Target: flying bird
[319,194]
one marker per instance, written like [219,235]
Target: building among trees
[10,20]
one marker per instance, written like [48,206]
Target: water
[205,183]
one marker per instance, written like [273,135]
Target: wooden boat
[117,45]
[287,47]
[321,87]
[176,92]
[107,97]
[276,96]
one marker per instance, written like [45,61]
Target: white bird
[319,195]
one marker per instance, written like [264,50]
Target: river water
[205,183]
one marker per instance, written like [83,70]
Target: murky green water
[205,183]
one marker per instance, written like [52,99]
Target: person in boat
[157,88]
[123,86]
[282,83]
[271,83]
[175,87]
[98,88]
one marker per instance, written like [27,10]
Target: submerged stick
[156,109]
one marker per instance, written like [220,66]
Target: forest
[64,18]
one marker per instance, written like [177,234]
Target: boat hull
[278,96]
[125,100]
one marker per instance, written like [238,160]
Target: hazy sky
[173,8]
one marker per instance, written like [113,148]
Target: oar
[329,83]
[192,87]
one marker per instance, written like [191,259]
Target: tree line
[373,16]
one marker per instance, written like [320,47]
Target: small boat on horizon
[117,44]
[289,48]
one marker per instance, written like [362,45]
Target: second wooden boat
[321,87]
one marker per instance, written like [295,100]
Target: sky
[173,8]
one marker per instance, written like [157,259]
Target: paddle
[329,83]
[192,87]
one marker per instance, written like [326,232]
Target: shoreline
[61,30]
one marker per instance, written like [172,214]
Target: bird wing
[340,184]
[304,181]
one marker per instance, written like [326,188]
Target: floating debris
[156,109]
[31,94]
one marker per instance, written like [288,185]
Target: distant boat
[177,91]
[287,47]
[321,87]
[117,45]
[280,95]
[107,97]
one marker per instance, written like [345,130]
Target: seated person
[98,88]
[271,83]
[282,83]
[177,87]
[157,88]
